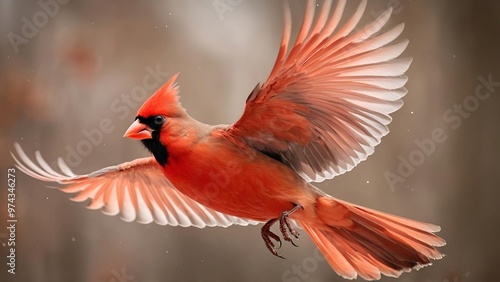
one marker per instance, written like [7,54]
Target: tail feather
[365,242]
[416,240]
[351,251]
[390,236]
[332,254]
[383,247]
[394,218]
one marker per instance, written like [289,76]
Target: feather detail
[136,190]
[365,242]
[326,104]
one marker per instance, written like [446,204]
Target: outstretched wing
[326,103]
[137,190]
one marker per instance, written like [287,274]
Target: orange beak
[138,131]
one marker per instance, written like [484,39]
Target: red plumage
[323,109]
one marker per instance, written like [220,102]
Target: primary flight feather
[323,109]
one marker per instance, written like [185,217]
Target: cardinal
[322,110]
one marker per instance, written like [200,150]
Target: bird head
[155,115]
[156,111]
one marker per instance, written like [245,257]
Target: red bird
[323,109]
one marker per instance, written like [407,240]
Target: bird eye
[159,119]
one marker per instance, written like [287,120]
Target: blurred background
[68,66]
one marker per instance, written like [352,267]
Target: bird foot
[285,228]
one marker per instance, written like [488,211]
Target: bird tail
[359,241]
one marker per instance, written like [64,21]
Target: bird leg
[285,229]
[285,226]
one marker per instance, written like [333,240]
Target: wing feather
[327,103]
[136,190]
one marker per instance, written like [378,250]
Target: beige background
[67,77]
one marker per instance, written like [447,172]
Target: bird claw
[285,228]
[269,236]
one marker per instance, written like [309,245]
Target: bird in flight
[322,110]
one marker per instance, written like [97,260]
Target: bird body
[323,109]
[218,170]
